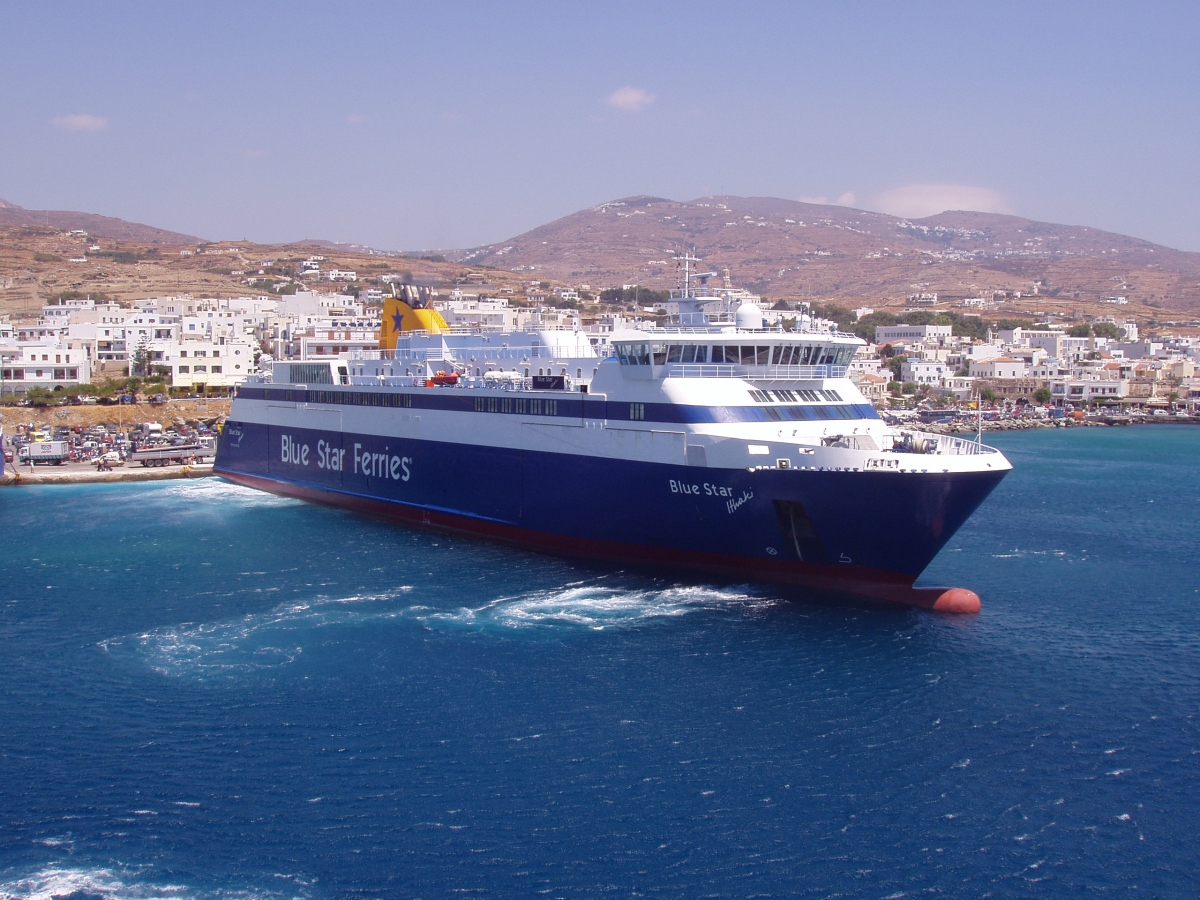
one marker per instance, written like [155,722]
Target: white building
[961,386]
[1067,391]
[201,364]
[25,365]
[999,367]
[886,334]
[923,371]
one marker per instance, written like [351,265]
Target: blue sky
[408,126]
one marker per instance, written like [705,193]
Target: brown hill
[39,264]
[788,249]
[95,226]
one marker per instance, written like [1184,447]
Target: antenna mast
[687,258]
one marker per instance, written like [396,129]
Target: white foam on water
[270,640]
[594,607]
[53,882]
[253,643]
[213,492]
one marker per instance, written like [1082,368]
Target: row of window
[810,413]
[639,354]
[58,374]
[533,406]
[453,401]
[216,370]
[354,398]
[795,396]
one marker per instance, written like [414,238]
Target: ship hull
[865,533]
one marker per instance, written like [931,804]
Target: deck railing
[756,373]
[939,444]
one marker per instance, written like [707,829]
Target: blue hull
[865,532]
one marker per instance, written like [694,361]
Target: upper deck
[754,355]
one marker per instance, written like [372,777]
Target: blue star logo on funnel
[397,318]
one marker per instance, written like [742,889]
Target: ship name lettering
[330,457]
[293,452]
[381,465]
[709,490]
[732,505]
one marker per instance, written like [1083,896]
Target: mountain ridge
[95,225]
[789,248]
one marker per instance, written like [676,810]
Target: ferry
[711,444]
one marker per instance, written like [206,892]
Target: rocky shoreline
[970,427]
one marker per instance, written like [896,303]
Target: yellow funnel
[399,317]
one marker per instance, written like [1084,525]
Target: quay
[86,473]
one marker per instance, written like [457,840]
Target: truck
[164,455]
[46,453]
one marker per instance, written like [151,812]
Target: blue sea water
[211,692]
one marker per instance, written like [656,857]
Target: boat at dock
[711,444]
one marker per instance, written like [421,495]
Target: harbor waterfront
[216,692]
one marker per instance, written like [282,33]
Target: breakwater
[969,426]
[85,473]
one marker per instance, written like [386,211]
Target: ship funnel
[410,311]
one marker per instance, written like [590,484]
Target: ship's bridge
[733,353]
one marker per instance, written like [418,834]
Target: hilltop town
[81,314]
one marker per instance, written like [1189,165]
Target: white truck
[46,453]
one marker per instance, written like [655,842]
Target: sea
[210,692]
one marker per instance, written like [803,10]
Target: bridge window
[633,354]
[637,411]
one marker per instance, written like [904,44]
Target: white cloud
[630,99]
[916,201]
[82,122]
[847,199]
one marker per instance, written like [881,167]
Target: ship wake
[259,642]
[594,607]
[52,882]
[255,642]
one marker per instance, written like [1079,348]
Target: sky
[450,125]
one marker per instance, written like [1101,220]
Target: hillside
[95,226]
[38,264]
[788,249]
[782,249]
